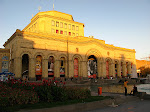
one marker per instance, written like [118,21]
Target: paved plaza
[134,106]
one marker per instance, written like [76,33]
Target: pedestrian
[134,91]
[125,87]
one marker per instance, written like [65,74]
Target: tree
[144,71]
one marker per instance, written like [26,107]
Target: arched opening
[62,67]
[76,67]
[51,66]
[116,69]
[25,67]
[38,68]
[92,67]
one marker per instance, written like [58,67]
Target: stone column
[104,69]
[99,69]
[45,68]
[124,69]
[129,68]
[84,69]
[18,67]
[32,69]
[71,69]
[57,68]
[79,68]
[113,69]
[119,69]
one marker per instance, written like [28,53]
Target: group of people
[133,91]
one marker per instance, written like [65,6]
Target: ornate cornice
[76,40]
[4,50]
[17,33]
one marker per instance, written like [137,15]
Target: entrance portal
[25,67]
[92,67]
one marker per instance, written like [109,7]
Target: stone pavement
[116,99]
[133,106]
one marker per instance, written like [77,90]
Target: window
[61,25]
[57,31]
[73,34]
[65,32]
[53,22]
[73,27]
[61,32]
[65,25]
[53,31]
[57,24]
[77,28]
[31,28]
[69,33]
[69,26]
[77,34]
[34,27]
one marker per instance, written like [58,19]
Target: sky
[123,23]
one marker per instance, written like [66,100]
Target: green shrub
[77,93]
[44,93]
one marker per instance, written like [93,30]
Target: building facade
[53,45]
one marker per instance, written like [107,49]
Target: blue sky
[123,23]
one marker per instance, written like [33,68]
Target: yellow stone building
[53,45]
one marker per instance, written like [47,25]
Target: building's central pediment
[56,14]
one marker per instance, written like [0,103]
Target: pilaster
[45,68]
[57,68]
[84,68]
[124,69]
[113,69]
[103,69]
[17,67]
[119,70]
[71,69]
[129,68]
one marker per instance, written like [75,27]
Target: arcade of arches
[38,67]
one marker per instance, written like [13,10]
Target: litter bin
[99,90]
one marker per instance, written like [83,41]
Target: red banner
[38,68]
[76,67]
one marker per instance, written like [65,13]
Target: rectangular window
[61,25]
[77,28]
[69,26]
[65,32]
[57,24]
[73,27]
[73,34]
[61,32]
[57,31]
[77,34]
[53,31]
[53,23]
[69,33]
[65,25]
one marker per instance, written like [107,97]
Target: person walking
[125,87]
